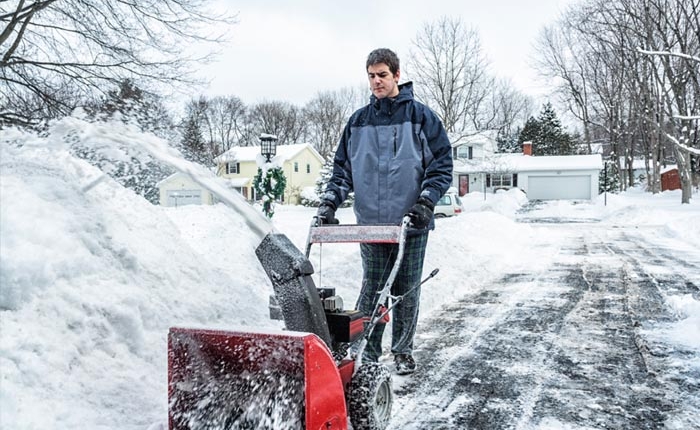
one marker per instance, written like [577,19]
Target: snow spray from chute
[287,267]
[121,141]
[235,379]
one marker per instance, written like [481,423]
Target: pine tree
[508,142]
[553,140]
[530,132]
[546,134]
[609,178]
[193,146]
[324,176]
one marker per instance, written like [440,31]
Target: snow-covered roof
[486,137]
[239,182]
[668,168]
[250,153]
[527,163]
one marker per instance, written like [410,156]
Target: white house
[179,189]
[573,177]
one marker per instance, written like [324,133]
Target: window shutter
[488,180]
[238,167]
[515,179]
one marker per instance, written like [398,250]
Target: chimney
[527,148]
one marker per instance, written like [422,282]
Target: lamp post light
[268,146]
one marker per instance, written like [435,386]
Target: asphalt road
[565,347]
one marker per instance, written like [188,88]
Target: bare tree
[509,108]
[226,116]
[47,46]
[630,67]
[326,115]
[450,70]
[279,118]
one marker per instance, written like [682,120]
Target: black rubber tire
[370,397]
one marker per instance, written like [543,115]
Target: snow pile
[91,282]
[506,203]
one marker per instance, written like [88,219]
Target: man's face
[382,82]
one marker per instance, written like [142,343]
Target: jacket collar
[388,103]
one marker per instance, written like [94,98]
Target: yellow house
[301,164]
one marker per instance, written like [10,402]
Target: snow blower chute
[302,377]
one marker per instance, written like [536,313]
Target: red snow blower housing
[298,378]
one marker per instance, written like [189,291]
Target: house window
[502,180]
[464,151]
[308,168]
[296,166]
[233,168]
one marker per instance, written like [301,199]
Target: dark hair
[386,56]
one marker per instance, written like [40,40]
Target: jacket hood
[405,94]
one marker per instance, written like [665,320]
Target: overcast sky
[290,50]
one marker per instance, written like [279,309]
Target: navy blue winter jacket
[392,151]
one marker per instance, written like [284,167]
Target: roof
[250,153]
[486,137]
[527,163]
[238,182]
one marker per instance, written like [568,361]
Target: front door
[463,184]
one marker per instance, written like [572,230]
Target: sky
[93,276]
[282,50]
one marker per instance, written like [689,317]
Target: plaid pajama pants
[377,261]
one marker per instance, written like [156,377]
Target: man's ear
[397,75]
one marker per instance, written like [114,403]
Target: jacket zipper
[394,141]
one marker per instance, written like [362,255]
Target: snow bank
[91,282]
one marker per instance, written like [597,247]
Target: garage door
[184,197]
[559,187]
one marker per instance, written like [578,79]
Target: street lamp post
[268,146]
[269,183]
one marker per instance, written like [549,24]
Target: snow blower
[302,377]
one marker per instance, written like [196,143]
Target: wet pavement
[565,346]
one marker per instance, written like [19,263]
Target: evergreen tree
[193,146]
[508,142]
[324,176]
[553,140]
[609,178]
[530,132]
[546,134]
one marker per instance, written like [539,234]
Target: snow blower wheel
[370,397]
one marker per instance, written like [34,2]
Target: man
[394,154]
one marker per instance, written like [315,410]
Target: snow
[93,276]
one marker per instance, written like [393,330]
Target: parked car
[449,205]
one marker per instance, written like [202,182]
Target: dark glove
[421,213]
[326,213]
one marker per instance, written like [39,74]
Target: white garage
[565,177]
[179,190]
[559,187]
[184,197]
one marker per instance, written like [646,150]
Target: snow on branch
[669,53]
[687,148]
[687,117]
